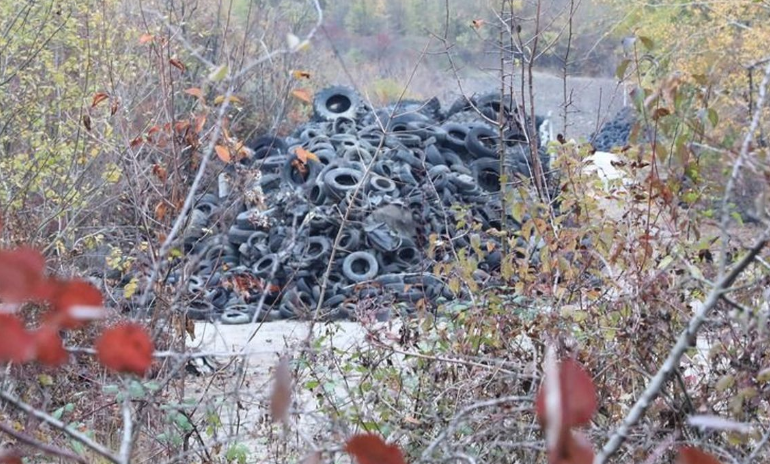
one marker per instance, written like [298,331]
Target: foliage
[714,45]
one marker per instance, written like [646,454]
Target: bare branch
[683,343]
[61,426]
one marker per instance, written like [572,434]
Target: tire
[486,171]
[455,138]
[478,142]
[338,181]
[461,104]
[360,266]
[233,316]
[335,102]
[300,174]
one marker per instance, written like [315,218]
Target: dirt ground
[591,100]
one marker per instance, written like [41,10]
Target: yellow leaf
[302,94]
[231,99]
[131,287]
[299,74]
[223,153]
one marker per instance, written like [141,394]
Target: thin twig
[744,153]
[61,426]
[683,343]
[44,447]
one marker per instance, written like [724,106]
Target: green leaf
[647,42]
[110,389]
[713,117]
[620,72]
[219,73]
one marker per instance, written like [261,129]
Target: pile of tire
[394,176]
[616,132]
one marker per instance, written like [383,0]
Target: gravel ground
[592,100]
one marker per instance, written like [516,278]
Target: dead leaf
[659,113]
[189,327]
[223,153]
[299,74]
[146,38]
[181,126]
[114,106]
[371,449]
[87,122]
[160,210]
[280,399]
[177,64]
[303,95]
[690,455]
[200,121]
[98,98]
[195,92]
[160,172]
[305,155]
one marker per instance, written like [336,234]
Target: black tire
[379,185]
[335,102]
[264,266]
[237,236]
[455,138]
[360,266]
[266,144]
[298,174]
[461,104]
[486,171]
[236,315]
[339,181]
[482,142]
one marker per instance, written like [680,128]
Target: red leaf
[98,98]
[10,457]
[16,343]
[576,450]
[49,347]
[280,399]
[136,142]
[371,449]
[125,348]
[74,303]
[690,455]
[21,272]
[303,95]
[177,64]
[578,398]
